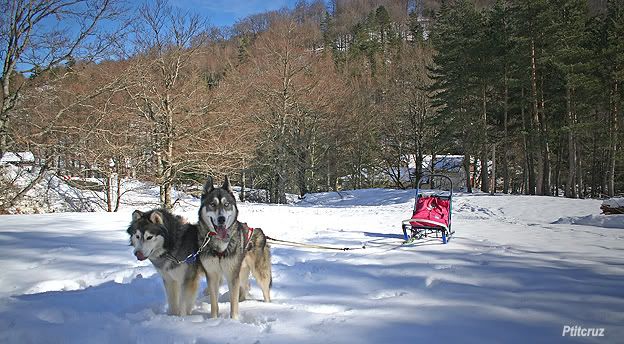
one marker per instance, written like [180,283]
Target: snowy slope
[519,269]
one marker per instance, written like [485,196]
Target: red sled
[432,212]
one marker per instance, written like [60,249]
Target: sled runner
[432,211]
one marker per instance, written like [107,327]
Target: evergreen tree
[499,32]
[614,58]
[457,69]
[566,34]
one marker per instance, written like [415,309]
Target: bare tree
[172,93]
[116,148]
[407,121]
[37,35]
[57,120]
[292,89]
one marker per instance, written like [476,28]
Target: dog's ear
[137,214]
[157,218]
[208,186]
[226,185]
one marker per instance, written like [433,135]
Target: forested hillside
[323,96]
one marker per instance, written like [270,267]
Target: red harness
[249,233]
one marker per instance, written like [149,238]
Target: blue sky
[217,12]
[227,12]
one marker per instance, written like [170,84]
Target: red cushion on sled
[431,211]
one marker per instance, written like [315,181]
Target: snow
[519,269]
[616,202]
[65,194]
[56,194]
[444,162]
[607,221]
[449,165]
[17,157]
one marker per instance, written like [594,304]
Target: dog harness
[247,241]
[249,234]
[191,258]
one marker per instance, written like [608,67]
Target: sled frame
[417,232]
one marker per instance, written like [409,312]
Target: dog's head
[148,233]
[218,211]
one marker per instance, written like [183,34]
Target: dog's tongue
[222,233]
[140,255]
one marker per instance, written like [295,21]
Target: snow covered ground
[518,270]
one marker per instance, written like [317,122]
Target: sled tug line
[322,247]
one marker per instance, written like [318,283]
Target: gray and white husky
[166,240]
[233,249]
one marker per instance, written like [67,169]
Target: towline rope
[301,244]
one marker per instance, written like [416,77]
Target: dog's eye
[137,236]
[149,237]
[226,204]
[213,204]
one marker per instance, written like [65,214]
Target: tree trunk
[572,163]
[529,175]
[493,182]
[614,140]
[506,157]
[544,141]
[274,192]
[328,177]
[301,173]
[280,182]
[467,171]
[560,149]
[108,183]
[484,143]
[484,177]
[311,180]
[595,171]
[418,160]
[243,185]
[8,99]
[119,193]
[432,167]
[580,181]
[164,173]
[433,171]
[3,135]
[434,156]
[358,184]
[168,175]
[536,126]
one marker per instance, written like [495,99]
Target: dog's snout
[221,220]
